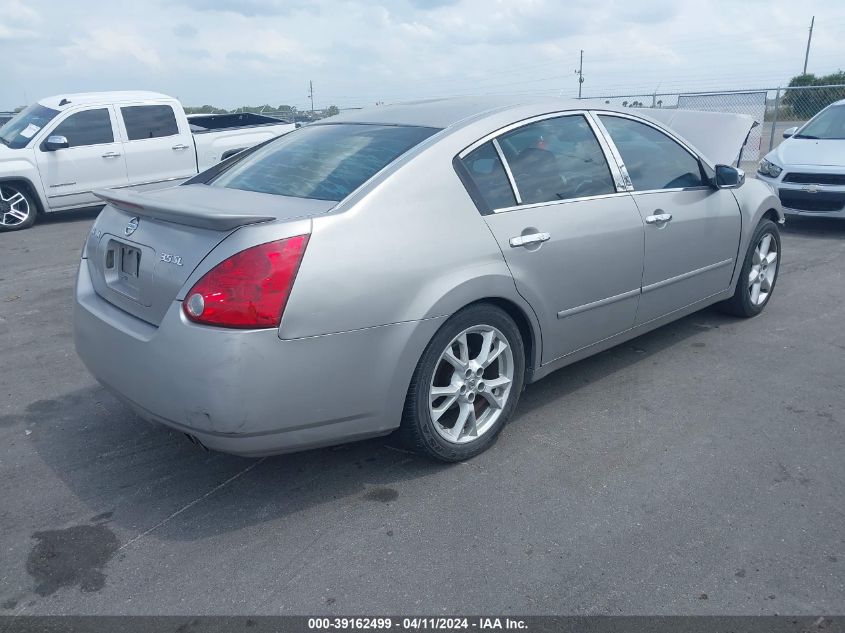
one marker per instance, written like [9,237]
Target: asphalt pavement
[699,469]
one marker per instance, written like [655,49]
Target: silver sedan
[411,268]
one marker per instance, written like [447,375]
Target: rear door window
[323,162]
[149,121]
[653,160]
[89,127]
[488,182]
[557,159]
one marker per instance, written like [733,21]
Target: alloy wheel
[471,384]
[764,266]
[14,207]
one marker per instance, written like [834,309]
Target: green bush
[805,104]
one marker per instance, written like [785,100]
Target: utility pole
[809,39]
[580,73]
[311,95]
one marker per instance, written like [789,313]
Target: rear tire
[466,385]
[759,273]
[17,207]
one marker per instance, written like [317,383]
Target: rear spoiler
[178,211]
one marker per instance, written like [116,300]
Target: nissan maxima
[411,268]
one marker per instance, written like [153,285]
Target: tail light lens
[250,289]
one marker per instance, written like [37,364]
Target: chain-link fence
[776,109]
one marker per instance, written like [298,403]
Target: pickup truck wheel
[17,208]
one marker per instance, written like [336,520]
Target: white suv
[807,170]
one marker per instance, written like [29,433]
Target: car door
[692,229]
[93,159]
[572,240]
[159,149]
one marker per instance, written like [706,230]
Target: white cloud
[110,45]
[17,20]
[229,52]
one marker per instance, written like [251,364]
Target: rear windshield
[323,162]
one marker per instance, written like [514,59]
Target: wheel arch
[530,337]
[756,202]
[30,188]
[772,215]
[496,288]
[415,346]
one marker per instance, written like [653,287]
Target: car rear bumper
[249,392]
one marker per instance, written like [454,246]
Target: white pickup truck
[55,152]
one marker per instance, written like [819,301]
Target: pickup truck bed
[56,152]
[202,123]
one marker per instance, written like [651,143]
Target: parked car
[411,266]
[807,170]
[54,153]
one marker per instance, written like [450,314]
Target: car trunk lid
[144,247]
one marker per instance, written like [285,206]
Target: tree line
[285,111]
[804,104]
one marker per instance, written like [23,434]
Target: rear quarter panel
[413,248]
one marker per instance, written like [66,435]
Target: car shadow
[139,474]
[56,217]
[565,381]
[814,227]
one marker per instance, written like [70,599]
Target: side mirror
[789,132]
[56,142]
[728,177]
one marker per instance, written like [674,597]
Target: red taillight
[250,289]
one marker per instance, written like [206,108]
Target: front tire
[759,273]
[466,385]
[17,208]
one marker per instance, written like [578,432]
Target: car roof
[445,112]
[63,101]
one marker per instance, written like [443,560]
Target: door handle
[532,238]
[658,218]
[111,154]
[180,147]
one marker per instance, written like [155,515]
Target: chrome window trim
[636,192]
[508,171]
[615,173]
[617,169]
[596,114]
[625,182]
[548,203]
[677,139]
[517,124]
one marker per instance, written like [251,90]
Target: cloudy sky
[231,52]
